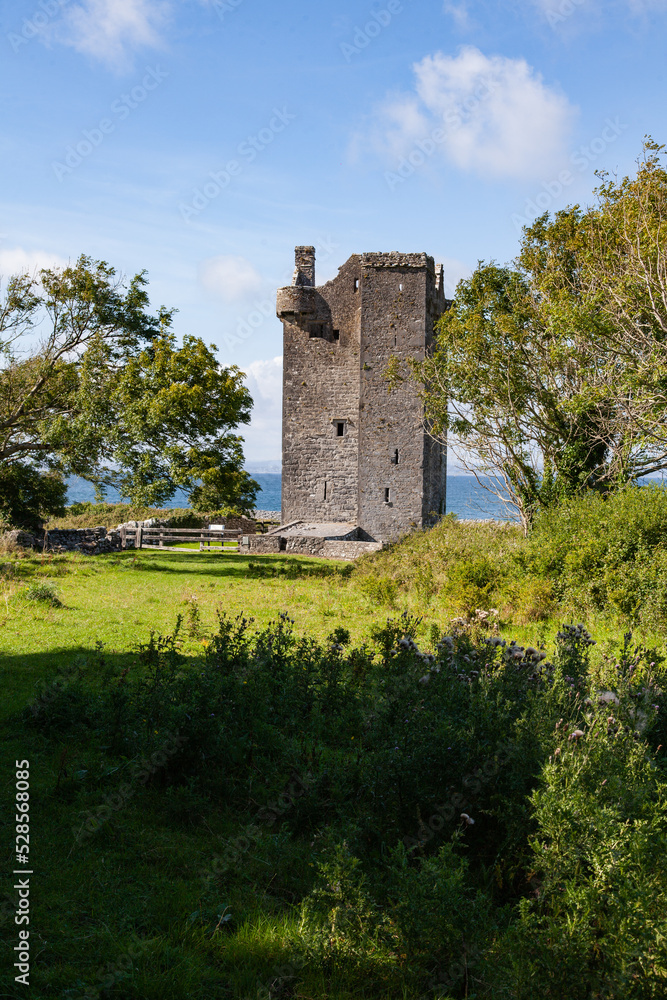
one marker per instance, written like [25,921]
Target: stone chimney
[304,273]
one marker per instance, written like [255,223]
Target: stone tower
[352,451]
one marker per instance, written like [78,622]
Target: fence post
[123,537]
[139,538]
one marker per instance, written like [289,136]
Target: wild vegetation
[92,384]
[438,773]
[376,792]
[549,373]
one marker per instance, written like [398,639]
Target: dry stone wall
[95,541]
[325,548]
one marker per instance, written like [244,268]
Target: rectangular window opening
[336,334]
[340,428]
[387,495]
[394,460]
[356,284]
[400,287]
[325,492]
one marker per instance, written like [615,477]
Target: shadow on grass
[21,674]
[220,565]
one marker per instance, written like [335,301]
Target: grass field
[137,909]
[140,876]
[117,600]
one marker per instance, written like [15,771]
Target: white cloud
[230,278]
[458,12]
[496,116]
[18,261]
[112,30]
[263,438]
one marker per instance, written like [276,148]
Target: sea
[465,497]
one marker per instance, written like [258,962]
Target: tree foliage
[27,495]
[551,375]
[92,384]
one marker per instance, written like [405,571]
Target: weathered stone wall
[321,388]
[338,339]
[435,452]
[349,550]
[324,547]
[245,524]
[266,544]
[94,541]
[90,541]
[392,323]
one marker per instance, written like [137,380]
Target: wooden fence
[153,538]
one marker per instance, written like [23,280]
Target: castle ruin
[355,454]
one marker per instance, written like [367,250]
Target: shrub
[380,590]
[28,496]
[471,584]
[595,925]
[484,821]
[44,593]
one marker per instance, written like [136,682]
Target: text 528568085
[22,885]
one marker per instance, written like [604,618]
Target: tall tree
[92,384]
[550,376]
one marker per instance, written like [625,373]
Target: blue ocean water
[464,497]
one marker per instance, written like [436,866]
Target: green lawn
[147,874]
[119,599]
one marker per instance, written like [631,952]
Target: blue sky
[202,139]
